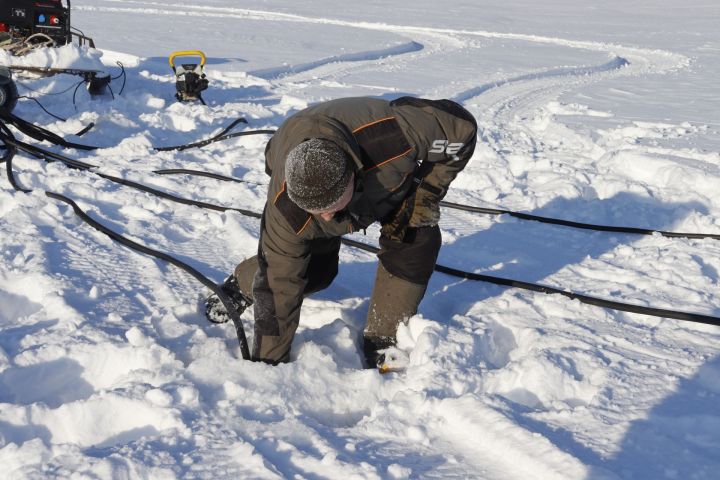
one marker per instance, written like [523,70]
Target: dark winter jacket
[395,147]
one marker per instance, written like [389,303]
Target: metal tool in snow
[190,79]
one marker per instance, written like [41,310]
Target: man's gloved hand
[419,209]
[396,227]
[426,208]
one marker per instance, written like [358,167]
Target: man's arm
[445,158]
[444,134]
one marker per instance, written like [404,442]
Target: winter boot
[214,308]
[393,301]
[373,349]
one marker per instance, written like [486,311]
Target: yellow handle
[187,53]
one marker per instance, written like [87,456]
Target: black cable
[41,153]
[599,302]
[44,109]
[232,125]
[42,134]
[39,133]
[48,93]
[655,312]
[74,85]
[227,303]
[585,226]
[174,198]
[75,93]
[10,152]
[77,164]
[122,71]
[85,130]
[124,76]
[200,173]
[220,136]
[213,140]
[491,211]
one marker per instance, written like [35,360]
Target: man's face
[328,213]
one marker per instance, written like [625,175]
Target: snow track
[108,368]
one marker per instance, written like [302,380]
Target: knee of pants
[245,275]
[321,272]
[323,266]
[393,301]
[414,260]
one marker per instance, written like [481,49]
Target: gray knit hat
[317,173]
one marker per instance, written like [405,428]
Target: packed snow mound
[67,56]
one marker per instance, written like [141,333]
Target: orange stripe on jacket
[390,159]
[372,123]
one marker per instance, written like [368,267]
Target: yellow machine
[190,79]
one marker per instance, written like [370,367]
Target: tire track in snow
[641,59]
[614,64]
[500,447]
[277,72]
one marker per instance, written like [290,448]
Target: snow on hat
[317,173]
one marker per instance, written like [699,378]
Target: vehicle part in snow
[12,145]
[97,81]
[49,71]
[8,91]
[190,79]
[98,84]
[215,310]
[29,24]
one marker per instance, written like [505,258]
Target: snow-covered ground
[602,112]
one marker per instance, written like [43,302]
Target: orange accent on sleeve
[279,193]
[390,159]
[305,226]
[372,123]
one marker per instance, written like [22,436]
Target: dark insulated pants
[321,272]
[401,280]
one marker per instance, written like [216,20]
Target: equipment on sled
[190,78]
[29,24]
[96,80]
